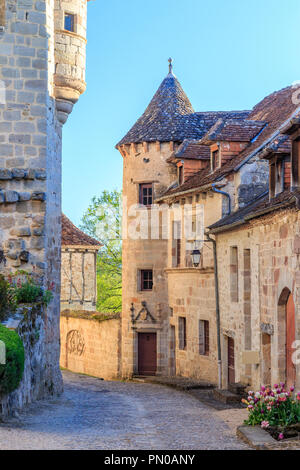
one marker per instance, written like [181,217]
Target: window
[234,288]
[69,22]
[176,244]
[146,279]
[295,164]
[180,175]
[215,160]
[203,337]
[182,333]
[146,194]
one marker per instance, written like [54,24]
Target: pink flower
[265,424]
[263,389]
[276,386]
[281,437]
[292,389]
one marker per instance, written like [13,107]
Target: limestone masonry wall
[90,346]
[273,246]
[32,112]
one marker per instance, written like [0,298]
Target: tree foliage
[102,220]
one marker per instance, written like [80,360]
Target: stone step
[226,396]
[180,383]
[238,389]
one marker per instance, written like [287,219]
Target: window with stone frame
[176,244]
[2,13]
[204,337]
[146,194]
[69,22]
[146,279]
[182,333]
[234,273]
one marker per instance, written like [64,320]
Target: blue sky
[228,54]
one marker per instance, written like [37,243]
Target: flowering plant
[273,407]
[26,288]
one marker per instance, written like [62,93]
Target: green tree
[102,220]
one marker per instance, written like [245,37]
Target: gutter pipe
[218,321]
[215,190]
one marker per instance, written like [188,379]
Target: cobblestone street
[92,414]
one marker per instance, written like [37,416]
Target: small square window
[69,22]
[146,279]
[146,194]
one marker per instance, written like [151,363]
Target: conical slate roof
[170,117]
[164,119]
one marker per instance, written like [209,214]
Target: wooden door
[231,371]
[147,355]
[290,338]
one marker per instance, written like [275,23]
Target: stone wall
[144,163]
[78,279]
[273,242]
[31,114]
[36,382]
[91,344]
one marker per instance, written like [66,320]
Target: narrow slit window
[203,337]
[69,22]
[182,333]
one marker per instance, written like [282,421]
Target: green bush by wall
[11,373]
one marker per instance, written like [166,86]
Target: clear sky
[228,54]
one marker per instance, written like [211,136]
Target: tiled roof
[281,144]
[71,235]
[233,130]
[170,117]
[257,208]
[192,150]
[275,109]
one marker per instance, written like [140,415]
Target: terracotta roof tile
[71,235]
[257,208]
[275,109]
[233,130]
[192,150]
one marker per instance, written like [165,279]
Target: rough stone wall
[30,157]
[273,242]
[144,163]
[90,346]
[35,378]
[192,295]
[78,279]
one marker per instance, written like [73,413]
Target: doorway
[147,353]
[290,339]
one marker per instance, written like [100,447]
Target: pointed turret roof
[163,119]
[171,117]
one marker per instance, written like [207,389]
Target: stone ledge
[259,439]
[22,173]
[87,315]
[180,383]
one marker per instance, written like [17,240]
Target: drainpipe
[213,241]
[215,190]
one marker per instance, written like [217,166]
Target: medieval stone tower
[42,57]
[146,175]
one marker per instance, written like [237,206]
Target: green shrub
[7,299]
[11,373]
[28,293]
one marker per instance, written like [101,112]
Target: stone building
[183,162]
[78,268]
[42,57]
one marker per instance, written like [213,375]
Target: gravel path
[92,414]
